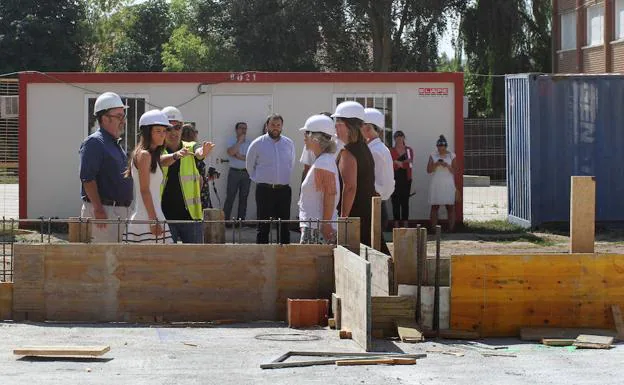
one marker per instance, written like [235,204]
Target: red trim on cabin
[238,77]
[22,147]
[245,77]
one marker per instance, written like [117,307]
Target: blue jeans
[187,232]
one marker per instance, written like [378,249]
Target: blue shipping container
[558,126]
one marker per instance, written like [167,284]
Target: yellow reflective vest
[189,182]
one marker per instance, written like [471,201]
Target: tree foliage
[502,37]
[41,35]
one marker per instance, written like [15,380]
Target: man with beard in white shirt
[384,172]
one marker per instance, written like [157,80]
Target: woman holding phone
[442,189]
[402,156]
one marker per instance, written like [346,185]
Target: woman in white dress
[147,175]
[442,189]
[319,191]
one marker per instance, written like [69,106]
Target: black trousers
[400,197]
[273,203]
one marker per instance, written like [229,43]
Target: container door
[518,130]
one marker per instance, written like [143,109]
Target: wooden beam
[376,234]
[91,351]
[377,361]
[214,232]
[79,230]
[582,214]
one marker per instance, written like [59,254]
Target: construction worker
[374,124]
[106,193]
[181,199]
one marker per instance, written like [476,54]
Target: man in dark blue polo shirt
[106,192]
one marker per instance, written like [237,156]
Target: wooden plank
[617,320]
[376,234]
[540,333]
[404,255]
[92,351]
[377,361]
[353,286]
[557,341]
[381,270]
[588,341]
[582,214]
[6,301]
[214,232]
[496,295]
[335,303]
[409,331]
[348,233]
[445,268]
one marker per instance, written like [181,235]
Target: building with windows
[588,36]
[56,114]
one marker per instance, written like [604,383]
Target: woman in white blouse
[319,191]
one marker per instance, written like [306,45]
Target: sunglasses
[177,127]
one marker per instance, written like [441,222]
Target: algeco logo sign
[433,91]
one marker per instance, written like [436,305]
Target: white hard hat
[154,118]
[173,113]
[320,123]
[106,101]
[374,116]
[349,109]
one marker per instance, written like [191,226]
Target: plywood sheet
[353,286]
[381,270]
[582,214]
[90,282]
[496,295]
[404,255]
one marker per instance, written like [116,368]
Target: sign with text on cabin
[433,91]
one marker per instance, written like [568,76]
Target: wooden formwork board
[496,295]
[6,300]
[353,286]
[90,282]
[381,270]
[429,276]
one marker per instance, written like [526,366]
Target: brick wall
[617,50]
[593,60]
[566,62]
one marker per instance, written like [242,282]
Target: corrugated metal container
[558,126]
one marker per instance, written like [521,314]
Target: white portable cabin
[56,115]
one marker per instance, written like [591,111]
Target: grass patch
[496,226]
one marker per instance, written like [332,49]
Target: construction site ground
[232,354]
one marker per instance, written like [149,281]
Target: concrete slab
[232,354]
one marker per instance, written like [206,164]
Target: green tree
[502,37]
[187,52]
[139,46]
[41,35]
